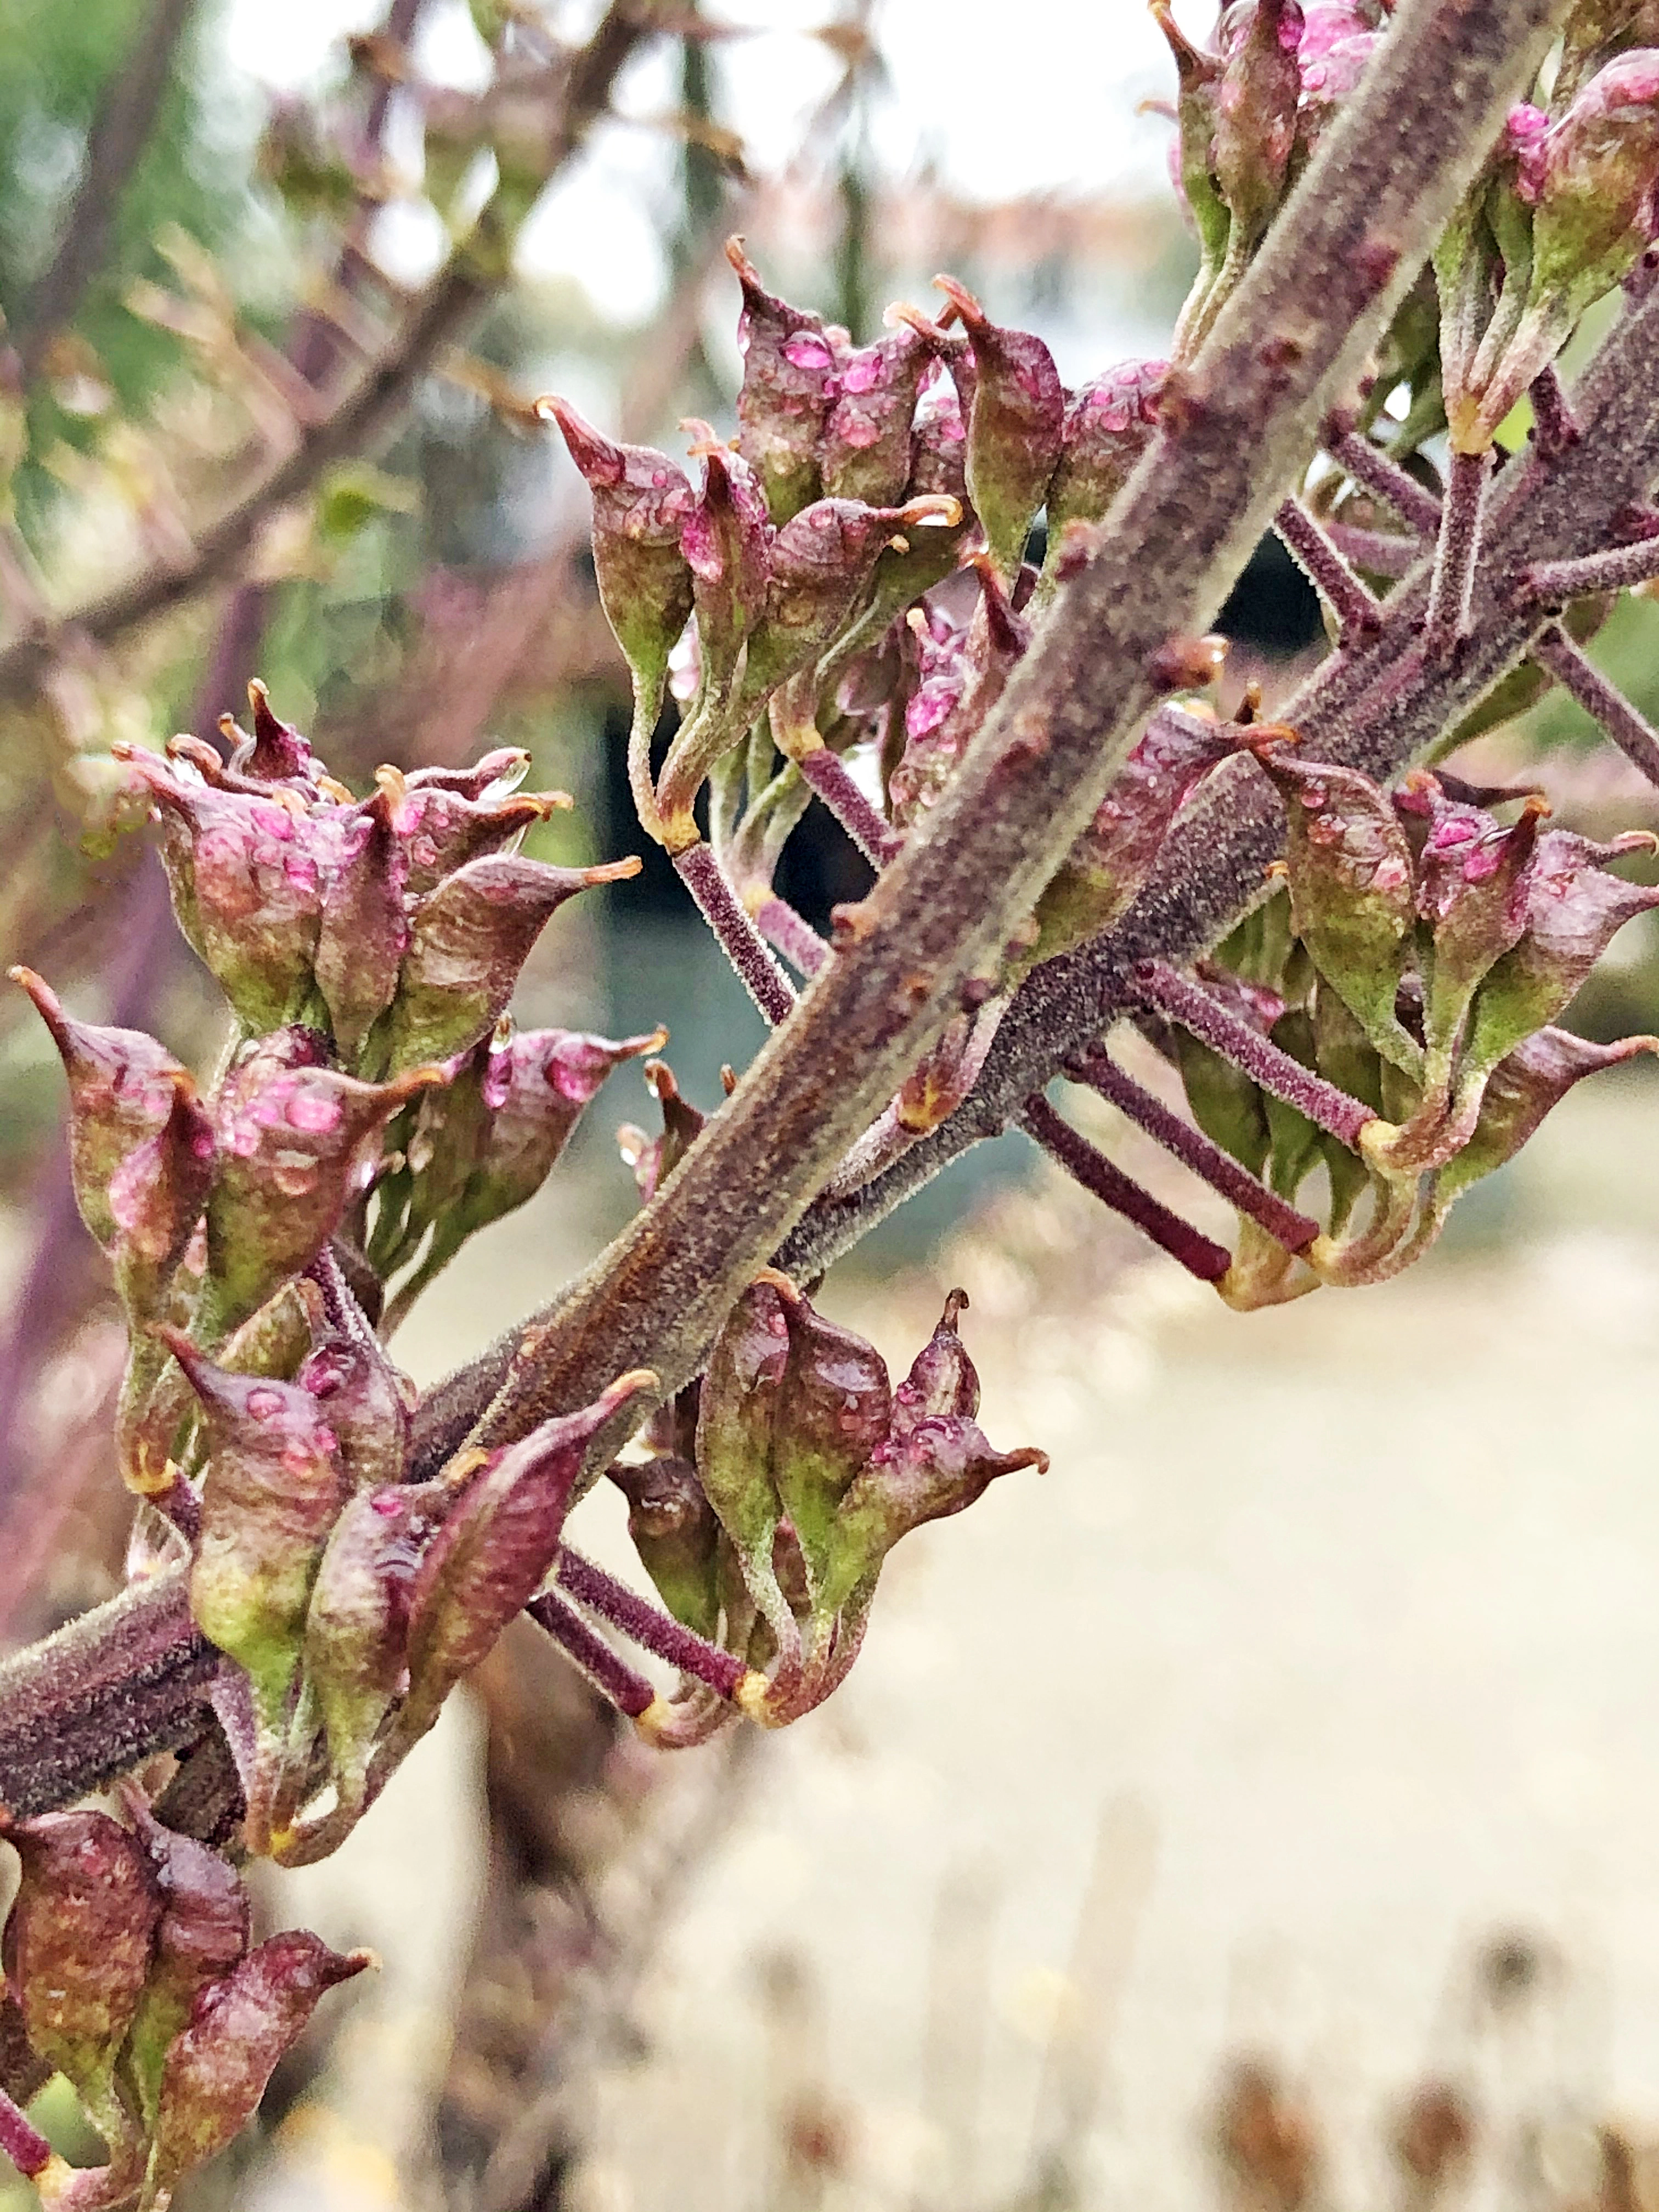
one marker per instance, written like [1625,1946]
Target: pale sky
[998,115]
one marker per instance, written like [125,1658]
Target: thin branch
[830,777]
[1369,465]
[734,926]
[1457,551]
[1355,608]
[120,131]
[791,934]
[612,1676]
[1383,552]
[1576,674]
[648,1626]
[1283,1222]
[1554,425]
[1086,1164]
[1555,582]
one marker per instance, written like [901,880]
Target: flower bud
[470,937]
[788,383]
[356,1628]
[736,1420]
[821,563]
[202,1934]
[365,1400]
[295,1143]
[495,1548]
[654,1159]
[78,1947]
[1353,891]
[276,753]
[216,2070]
[1015,427]
[1199,76]
[141,1147]
[864,451]
[675,1533]
[1330,73]
[364,933]
[939,442]
[1473,885]
[1519,1092]
[1116,854]
[726,539]
[273,1488]
[1574,909]
[246,875]
[1255,114]
[1109,425]
[640,500]
[943,1380]
[1596,30]
[833,1409]
[963,675]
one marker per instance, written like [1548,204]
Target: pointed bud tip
[613,872]
[964,303]
[596,456]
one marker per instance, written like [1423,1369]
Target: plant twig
[1369,465]
[791,934]
[699,871]
[1355,608]
[1577,675]
[1555,582]
[648,1626]
[830,777]
[613,1677]
[1086,1163]
[120,131]
[1456,550]
[1283,1222]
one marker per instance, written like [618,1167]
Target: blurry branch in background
[115,145]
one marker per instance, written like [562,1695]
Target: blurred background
[1257,1810]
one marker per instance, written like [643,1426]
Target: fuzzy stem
[612,1677]
[791,934]
[1198,1253]
[651,1628]
[1457,551]
[1356,610]
[22,2141]
[1385,552]
[1283,1223]
[830,777]
[1555,426]
[1160,987]
[1572,669]
[741,942]
[1556,582]
[1414,504]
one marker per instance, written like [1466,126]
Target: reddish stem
[791,934]
[1554,425]
[1293,1229]
[1198,1253]
[1385,552]
[741,942]
[1161,988]
[835,784]
[1368,464]
[1630,730]
[651,1628]
[1457,552]
[612,1677]
[1356,610]
[22,2142]
[1619,566]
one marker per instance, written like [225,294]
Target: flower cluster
[777,1488]
[1416,970]
[130,1971]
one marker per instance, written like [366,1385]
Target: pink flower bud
[726,538]
[202,1934]
[1199,79]
[295,1143]
[1109,425]
[788,383]
[640,500]
[363,932]
[1519,1092]
[365,1402]
[273,1487]
[1255,111]
[943,1380]
[1114,855]
[78,1948]
[865,452]
[654,1159]
[1353,891]
[216,2070]
[276,753]
[468,941]
[1015,427]
[1472,886]
[140,1148]
[356,1631]
[500,1539]
[961,674]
